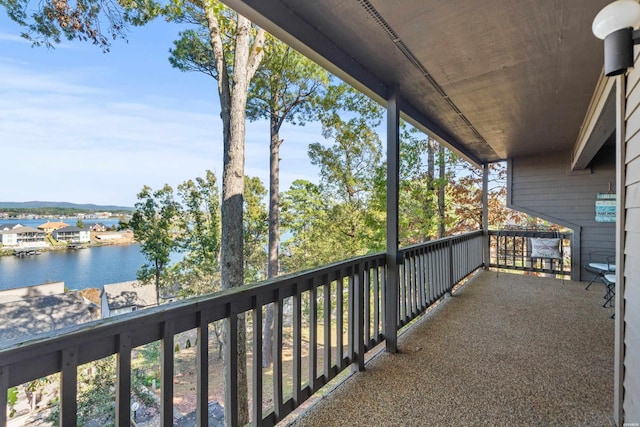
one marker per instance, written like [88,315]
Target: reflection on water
[84,268]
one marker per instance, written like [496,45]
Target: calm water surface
[78,269]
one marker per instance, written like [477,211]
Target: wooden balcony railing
[334,313]
[512,250]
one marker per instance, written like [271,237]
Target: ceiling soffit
[495,79]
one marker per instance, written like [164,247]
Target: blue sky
[82,126]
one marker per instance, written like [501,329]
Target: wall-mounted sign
[605,207]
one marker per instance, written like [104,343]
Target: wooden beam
[393,178]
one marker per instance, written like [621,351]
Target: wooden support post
[485,216]
[393,177]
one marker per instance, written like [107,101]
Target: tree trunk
[441,187]
[157,282]
[233,103]
[274,234]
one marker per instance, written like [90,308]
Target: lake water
[78,269]
[85,268]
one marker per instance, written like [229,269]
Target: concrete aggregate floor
[507,350]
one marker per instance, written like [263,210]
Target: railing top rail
[436,242]
[530,233]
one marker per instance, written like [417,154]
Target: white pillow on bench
[545,248]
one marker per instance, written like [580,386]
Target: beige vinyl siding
[631,326]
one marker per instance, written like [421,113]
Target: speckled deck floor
[503,351]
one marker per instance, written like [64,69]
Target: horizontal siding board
[632,298]
[633,78]
[632,222]
[633,100]
[633,124]
[631,268]
[633,172]
[633,148]
[632,364]
[632,199]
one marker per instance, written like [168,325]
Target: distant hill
[65,205]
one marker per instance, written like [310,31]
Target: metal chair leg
[591,282]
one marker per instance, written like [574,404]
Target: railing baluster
[358,320]
[415,274]
[376,302]
[202,368]
[257,361]
[403,294]
[419,256]
[231,371]
[277,356]
[313,336]
[69,387]
[297,347]
[4,388]
[123,387]
[451,261]
[339,320]
[408,271]
[351,316]
[327,326]
[166,374]
[367,303]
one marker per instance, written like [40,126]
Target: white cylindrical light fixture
[615,24]
[616,16]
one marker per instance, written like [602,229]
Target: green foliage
[255,230]
[348,167]
[12,399]
[199,270]
[153,225]
[305,214]
[193,50]
[287,86]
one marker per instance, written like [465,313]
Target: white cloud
[13,38]
[76,140]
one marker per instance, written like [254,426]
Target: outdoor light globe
[616,16]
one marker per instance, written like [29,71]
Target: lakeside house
[23,237]
[9,226]
[72,234]
[125,297]
[49,227]
[99,227]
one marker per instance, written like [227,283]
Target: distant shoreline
[10,251]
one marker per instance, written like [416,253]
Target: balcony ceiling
[493,79]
